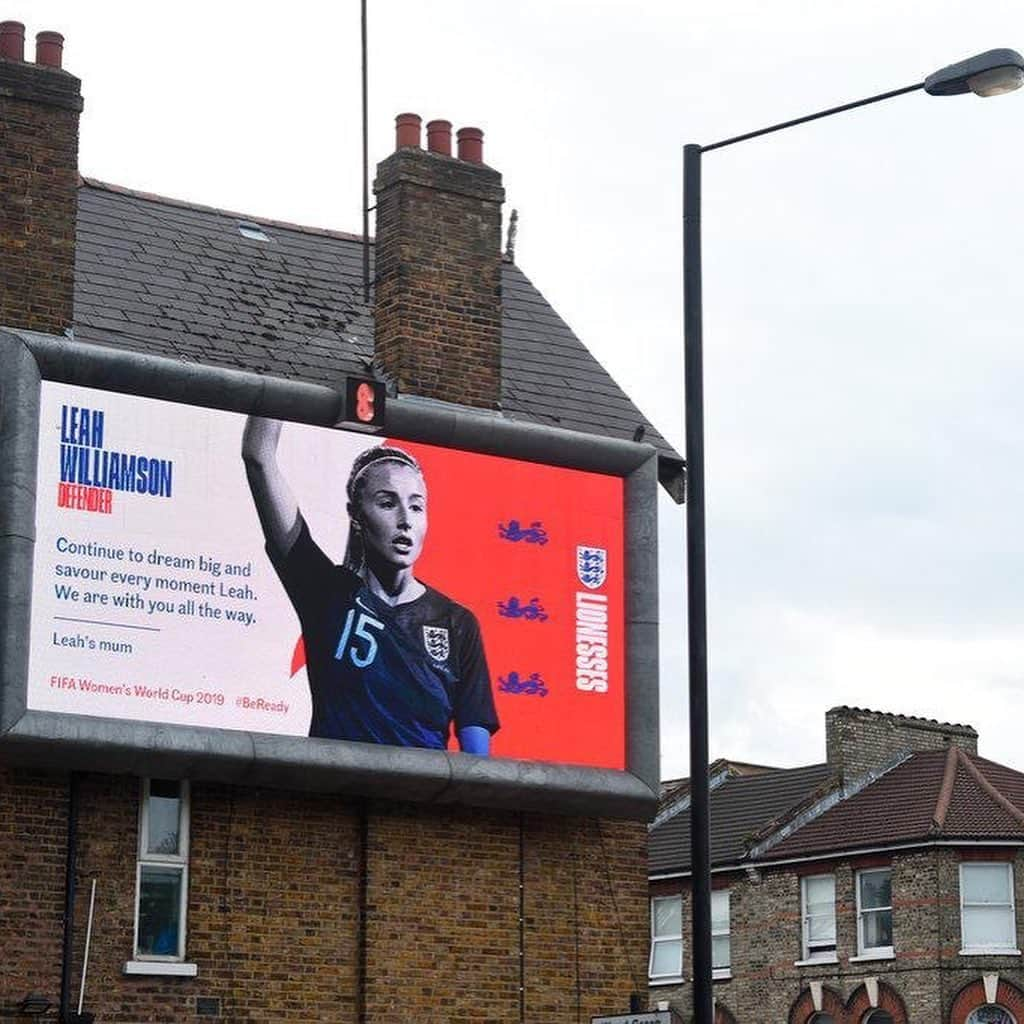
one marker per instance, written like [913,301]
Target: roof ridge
[814,809]
[682,803]
[988,788]
[153,197]
[946,789]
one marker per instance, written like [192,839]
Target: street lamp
[988,74]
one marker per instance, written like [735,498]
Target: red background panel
[466,558]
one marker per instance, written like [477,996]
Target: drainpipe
[70,871]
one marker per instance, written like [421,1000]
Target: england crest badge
[435,640]
[592,566]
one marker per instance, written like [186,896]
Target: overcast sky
[863,341]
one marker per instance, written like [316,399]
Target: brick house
[300,905]
[879,887]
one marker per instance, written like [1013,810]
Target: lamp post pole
[987,74]
[696,589]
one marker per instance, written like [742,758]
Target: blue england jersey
[379,673]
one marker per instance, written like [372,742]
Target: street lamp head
[988,74]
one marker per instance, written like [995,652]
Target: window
[253,232]
[666,939]
[990,1015]
[822,1018]
[721,959]
[878,1017]
[986,908]
[818,897]
[874,913]
[162,877]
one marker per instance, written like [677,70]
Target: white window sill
[721,974]
[654,982]
[981,951]
[873,954]
[165,967]
[814,960]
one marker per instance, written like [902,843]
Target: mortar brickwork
[39,108]
[857,739]
[437,320]
[926,974]
[273,908]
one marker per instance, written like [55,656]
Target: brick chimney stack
[858,740]
[39,109]
[438,266]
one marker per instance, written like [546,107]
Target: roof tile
[162,276]
[901,806]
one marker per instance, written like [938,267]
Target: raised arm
[275,504]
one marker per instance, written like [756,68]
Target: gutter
[839,854]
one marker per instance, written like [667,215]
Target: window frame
[722,971]
[809,955]
[1010,950]
[178,861]
[665,979]
[873,952]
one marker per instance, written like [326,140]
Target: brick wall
[274,921]
[928,976]
[857,740]
[438,276]
[39,108]
[33,818]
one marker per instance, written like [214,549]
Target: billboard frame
[86,743]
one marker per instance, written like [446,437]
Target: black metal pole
[817,116]
[696,589]
[696,575]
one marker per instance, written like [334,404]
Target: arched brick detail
[803,1009]
[722,1015]
[972,995]
[859,1004]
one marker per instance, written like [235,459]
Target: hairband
[390,455]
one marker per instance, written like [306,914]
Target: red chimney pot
[471,145]
[49,48]
[407,131]
[439,137]
[12,40]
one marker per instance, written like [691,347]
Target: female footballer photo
[389,658]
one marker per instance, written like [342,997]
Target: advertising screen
[334,584]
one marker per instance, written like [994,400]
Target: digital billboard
[208,573]
[487,592]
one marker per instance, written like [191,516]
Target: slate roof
[173,279]
[740,807]
[931,795]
